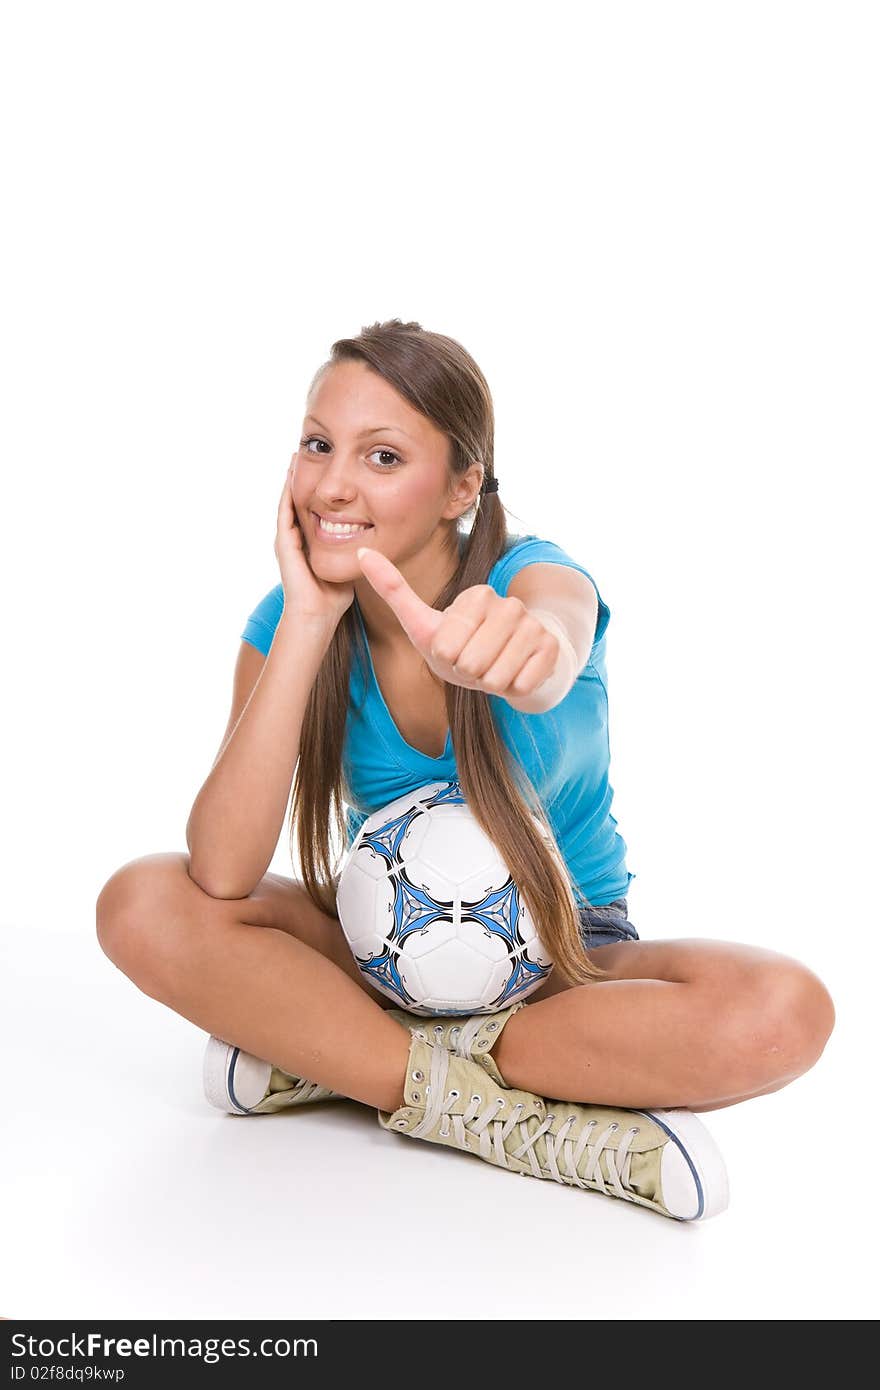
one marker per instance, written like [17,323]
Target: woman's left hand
[481,641]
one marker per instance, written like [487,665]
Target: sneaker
[662,1159]
[470,1037]
[242,1084]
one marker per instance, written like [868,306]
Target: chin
[320,556]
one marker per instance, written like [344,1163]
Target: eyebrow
[377,429]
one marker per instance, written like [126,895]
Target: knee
[786,1019]
[131,904]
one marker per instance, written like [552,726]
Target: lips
[340,520]
[339,537]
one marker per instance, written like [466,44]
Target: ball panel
[453,837]
[359,906]
[493,879]
[435,937]
[422,880]
[491,944]
[362,877]
[498,978]
[368,861]
[455,975]
[411,979]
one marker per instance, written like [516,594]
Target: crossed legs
[693,1023]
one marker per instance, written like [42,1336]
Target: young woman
[399,649]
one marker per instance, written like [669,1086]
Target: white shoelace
[302,1090]
[311,1090]
[491,1133]
[463,1037]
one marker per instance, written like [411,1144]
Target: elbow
[216,887]
[203,874]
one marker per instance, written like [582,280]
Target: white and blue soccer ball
[431,913]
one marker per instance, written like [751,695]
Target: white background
[655,228]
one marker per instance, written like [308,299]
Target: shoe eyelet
[415,1095]
[438,1029]
[551,1118]
[420,1034]
[492,1027]
[484,1042]
[500,1102]
[455,1094]
[401,1124]
[615,1125]
[418,1076]
[456,1029]
[479,1099]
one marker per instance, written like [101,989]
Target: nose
[338,481]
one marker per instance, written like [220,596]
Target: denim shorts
[602,926]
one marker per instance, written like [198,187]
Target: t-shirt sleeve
[531,550]
[260,626]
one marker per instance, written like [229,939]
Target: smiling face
[366,455]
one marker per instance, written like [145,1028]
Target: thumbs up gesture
[481,641]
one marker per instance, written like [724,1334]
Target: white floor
[127,1195]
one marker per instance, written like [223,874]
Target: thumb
[417,618]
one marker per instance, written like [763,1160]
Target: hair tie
[490,485]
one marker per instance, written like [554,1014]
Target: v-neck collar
[392,727]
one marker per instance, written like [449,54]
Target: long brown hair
[438,377]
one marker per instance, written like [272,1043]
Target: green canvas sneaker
[662,1159]
[242,1084]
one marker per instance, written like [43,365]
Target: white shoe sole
[693,1177]
[234,1081]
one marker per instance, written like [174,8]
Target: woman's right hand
[304,593]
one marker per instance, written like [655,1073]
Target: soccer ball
[431,913]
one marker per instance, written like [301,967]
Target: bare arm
[236,818]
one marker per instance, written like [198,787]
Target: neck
[427,575]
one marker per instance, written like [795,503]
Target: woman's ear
[467,488]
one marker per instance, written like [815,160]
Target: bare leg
[693,1023]
[234,968]
[688,1023]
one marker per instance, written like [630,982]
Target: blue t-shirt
[567,763]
